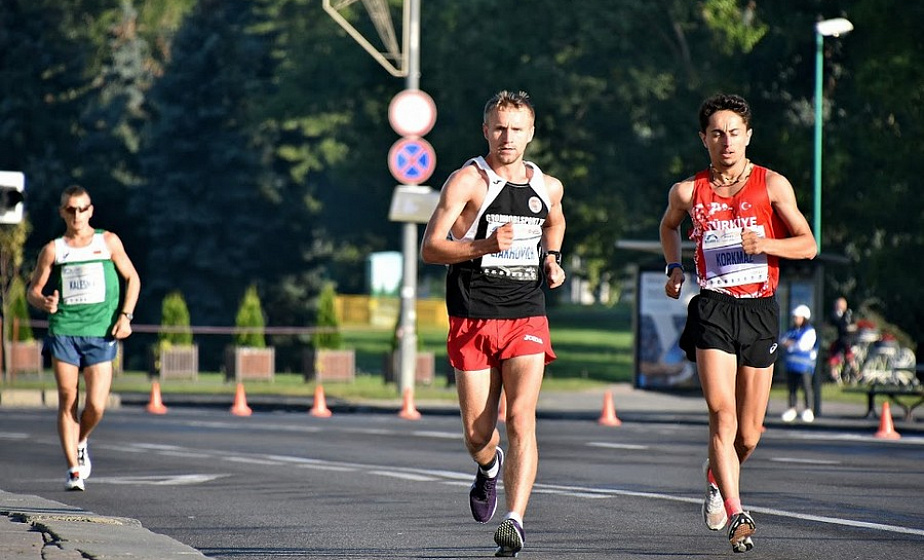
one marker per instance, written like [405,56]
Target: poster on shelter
[660,363]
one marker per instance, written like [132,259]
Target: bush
[250,316]
[19,309]
[175,314]
[327,317]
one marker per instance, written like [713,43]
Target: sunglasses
[77,209]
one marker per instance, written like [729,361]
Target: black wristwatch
[556,254]
[671,266]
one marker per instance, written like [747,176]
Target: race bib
[523,252]
[83,283]
[726,262]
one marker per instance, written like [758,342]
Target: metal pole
[819,105]
[407,348]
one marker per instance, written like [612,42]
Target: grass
[593,344]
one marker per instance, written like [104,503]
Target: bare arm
[460,189]
[123,326]
[801,243]
[553,231]
[679,200]
[34,293]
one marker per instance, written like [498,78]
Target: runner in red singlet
[745,218]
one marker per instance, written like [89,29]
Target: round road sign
[412,113]
[411,160]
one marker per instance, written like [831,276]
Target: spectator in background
[801,353]
[842,319]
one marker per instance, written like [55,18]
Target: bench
[906,397]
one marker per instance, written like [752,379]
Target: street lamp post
[827,28]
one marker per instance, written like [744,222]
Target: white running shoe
[789,415]
[73,482]
[83,461]
[714,515]
[808,416]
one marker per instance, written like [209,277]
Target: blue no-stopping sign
[411,160]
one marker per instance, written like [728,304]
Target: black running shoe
[483,495]
[740,529]
[509,538]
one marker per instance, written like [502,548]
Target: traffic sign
[411,160]
[412,113]
[413,203]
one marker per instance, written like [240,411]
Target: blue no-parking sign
[411,160]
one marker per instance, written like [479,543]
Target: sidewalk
[33,528]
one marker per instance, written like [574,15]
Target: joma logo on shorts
[533,338]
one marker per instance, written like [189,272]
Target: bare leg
[67,377]
[479,397]
[522,381]
[98,379]
[737,402]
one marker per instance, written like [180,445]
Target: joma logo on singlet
[533,338]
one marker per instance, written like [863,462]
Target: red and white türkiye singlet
[721,263]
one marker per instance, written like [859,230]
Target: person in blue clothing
[801,353]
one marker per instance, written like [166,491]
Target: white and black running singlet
[507,284]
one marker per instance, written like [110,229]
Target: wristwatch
[671,266]
[129,315]
[556,254]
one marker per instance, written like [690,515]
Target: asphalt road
[371,486]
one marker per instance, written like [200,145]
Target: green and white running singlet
[88,286]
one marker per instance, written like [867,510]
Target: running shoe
[483,495]
[509,538]
[740,530]
[73,482]
[789,415]
[83,461]
[714,515]
[808,416]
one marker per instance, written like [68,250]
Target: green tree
[250,317]
[330,338]
[43,50]
[206,203]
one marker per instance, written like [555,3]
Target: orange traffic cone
[608,417]
[502,408]
[240,408]
[408,410]
[319,408]
[155,405]
[886,429]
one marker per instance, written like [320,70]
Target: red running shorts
[479,344]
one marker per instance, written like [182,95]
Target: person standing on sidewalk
[801,353]
[87,316]
[499,226]
[745,219]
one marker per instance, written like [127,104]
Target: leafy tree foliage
[248,140]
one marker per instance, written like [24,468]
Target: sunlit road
[287,485]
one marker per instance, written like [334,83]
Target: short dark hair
[505,99]
[72,191]
[724,102]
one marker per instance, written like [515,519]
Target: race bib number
[726,262]
[523,252]
[83,283]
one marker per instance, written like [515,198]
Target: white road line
[610,445]
[804,461]
[578,491]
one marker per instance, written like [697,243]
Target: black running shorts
[749,328]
